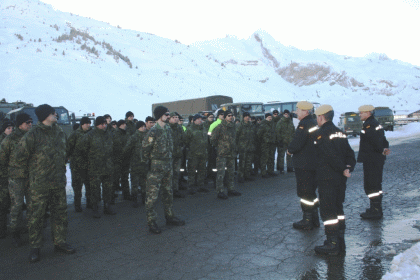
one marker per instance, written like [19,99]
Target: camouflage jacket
[2,136]
[77,161]
[223,138]
[178,135]
[207,125]
[284,131]
[120,139]
[266,132]
[6,149]
[158,144]
[196,140]
[97,146]
[133,154]
[131,127]
[245,137]
[42,153]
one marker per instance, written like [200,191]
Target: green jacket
[178,135]
[120,139]
[245,137]
[2,136]
[266,132]
[130,128]
[158,144]
[7,147]
[223,138]
[214,125]
[285,131]
[42,153]
[133,152]
[196,140]
[97,146]
[77,161]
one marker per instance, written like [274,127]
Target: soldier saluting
[373,150]
[157,149]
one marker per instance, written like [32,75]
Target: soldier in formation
[121,166]
[284,133]
[245,142]
[6,129]
[178,143]
[267,137]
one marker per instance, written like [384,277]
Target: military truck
[6,107]
[350,123]
[385,117]
[269,107]
[63,118]
[193,106]
[255,109]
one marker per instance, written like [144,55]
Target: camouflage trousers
[95,188]
[19,190]
[267,158]
[121,177]
[40,198]
[4,205]
[245,164]
[78,178]
[280,158]
[138,179]
[159,179]
[4,196]
[225,173]
[196,172]
[256,159]
[176,173]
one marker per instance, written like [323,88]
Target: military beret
[85,120]
[227,112]
[100,120]
[140,124]
[275,111]
[120,122]
[268,115]
[129,114]
[305,105]
[366,108]
[323,109]
[197,116]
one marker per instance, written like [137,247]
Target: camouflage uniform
[78,167]
[130,128]
[2,136]
[256,159]
[284,134]
[178,143]
[42,153]
[133,153]
[97,146]
[4,192]
[245,141]
[121,168]
[157,149]
[207,125]
[267,137]
[196,140]
[223,138]
[18,178]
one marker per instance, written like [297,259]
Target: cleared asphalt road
[247,237]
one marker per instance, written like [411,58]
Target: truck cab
[350,123]
[255,109]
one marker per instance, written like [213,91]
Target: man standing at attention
[42,151]
[158,148]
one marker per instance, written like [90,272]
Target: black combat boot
[64,248]
[95,211]
[341,232]
[374,212]
[3,225]
[109,209]
[154,228]
[315,217]
[331,246]
[174,221]
[136,203]
[306,223]
[34,255]
[78,205]
[16,240]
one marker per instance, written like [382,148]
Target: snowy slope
[48,57]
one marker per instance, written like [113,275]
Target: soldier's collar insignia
[368,126]
[319,137]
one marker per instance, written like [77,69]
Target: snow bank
[405,265]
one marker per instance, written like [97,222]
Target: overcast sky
[354,28]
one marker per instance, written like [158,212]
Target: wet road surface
[246,237]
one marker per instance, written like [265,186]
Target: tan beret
[323,109]
[366,108]
[305,105]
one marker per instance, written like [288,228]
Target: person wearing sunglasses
[157,148]
[15,184]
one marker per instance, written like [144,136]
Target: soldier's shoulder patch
[368,126]
[150,139]
[301,127]
[319,137]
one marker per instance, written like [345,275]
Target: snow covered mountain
[48,56]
